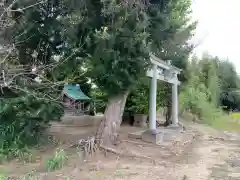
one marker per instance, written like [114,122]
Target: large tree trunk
[108,130]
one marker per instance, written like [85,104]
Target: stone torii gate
[163,71]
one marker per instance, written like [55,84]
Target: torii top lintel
[165,71]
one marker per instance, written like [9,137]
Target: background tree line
[212,85]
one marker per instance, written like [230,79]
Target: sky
[218,30]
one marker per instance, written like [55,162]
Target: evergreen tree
[37,31]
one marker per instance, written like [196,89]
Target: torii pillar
[153,100]
[175,103]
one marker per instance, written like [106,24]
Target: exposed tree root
[143,143]
[124,154]
[88,146]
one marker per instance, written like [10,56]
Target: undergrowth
[57,161]
[23,121]
[195,100]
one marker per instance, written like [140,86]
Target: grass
[235,115]
[218,119]
[57,161]
[226,122]
[3,177]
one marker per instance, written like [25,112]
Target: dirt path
[213,156]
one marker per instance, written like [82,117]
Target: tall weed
[57,161]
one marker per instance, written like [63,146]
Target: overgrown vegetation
[138,99]
[23,120]
[57,161]
[207,93]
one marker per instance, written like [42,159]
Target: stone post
[175,104]
[153,100]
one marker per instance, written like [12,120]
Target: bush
[57,161]
[137,102]
[138,99]
[23,119]
[196,101]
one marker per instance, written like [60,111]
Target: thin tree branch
[7,9]
[30,6]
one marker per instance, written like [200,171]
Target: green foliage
[208,75]
[3,177]
[138,100]
[196,96]
[170,29]
[106,40]
[37,31]
[23,120]
[202,94]
[229,80]
[221,80]
[100,99]
[119,54]
[57,161]
[113,39]
[195,100]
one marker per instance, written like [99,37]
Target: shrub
[23,119]
[57,161]
[195,100]
[138,99]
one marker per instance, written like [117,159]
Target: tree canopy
[110,39]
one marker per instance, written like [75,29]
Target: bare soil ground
[213,155]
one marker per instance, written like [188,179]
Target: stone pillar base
[161,136]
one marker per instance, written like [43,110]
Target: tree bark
[108,129]
[169,112]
